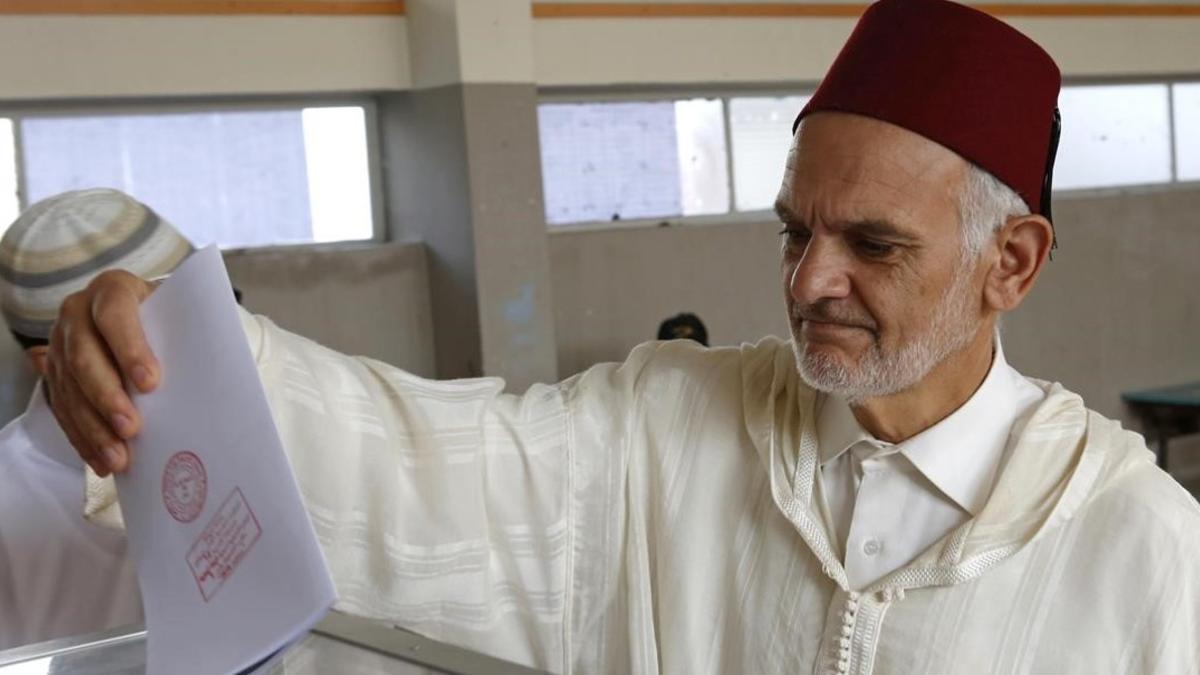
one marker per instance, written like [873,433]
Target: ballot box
[338,644]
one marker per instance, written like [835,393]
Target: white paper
[229,566]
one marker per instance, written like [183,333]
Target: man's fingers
[95,432]
[86,451]
[93,382]
[115,303]
[96,346]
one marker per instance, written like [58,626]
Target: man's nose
[821,274]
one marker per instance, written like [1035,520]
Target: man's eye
[875,249]
[794,236]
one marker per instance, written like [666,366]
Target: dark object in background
[1166,413]
[684,326]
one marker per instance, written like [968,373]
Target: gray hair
[984,205]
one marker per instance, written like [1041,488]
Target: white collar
[960,454]
[44,433]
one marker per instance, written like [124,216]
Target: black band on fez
[1048,180]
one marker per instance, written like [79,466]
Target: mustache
[833,312]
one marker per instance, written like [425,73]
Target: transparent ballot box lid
[338,644]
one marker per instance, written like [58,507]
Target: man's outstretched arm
[97,345]
[453,508]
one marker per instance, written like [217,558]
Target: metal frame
[651,93]
[61,646]
[670,92]
[727,123]
[383,638]
[407,646]
[1171,132]
[166,106]
[1174,151]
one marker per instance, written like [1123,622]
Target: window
[610,161]
[230,177]
[760,130]
[614,161]
[703,165]
[1187,131]
[618,161]
[1112,136]
[10,207]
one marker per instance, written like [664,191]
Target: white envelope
[229,566]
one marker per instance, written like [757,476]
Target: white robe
[658,516]
[889,502]
[59,575]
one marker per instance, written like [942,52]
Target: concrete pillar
[462,167]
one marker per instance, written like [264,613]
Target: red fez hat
[956,76]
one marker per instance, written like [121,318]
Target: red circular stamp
[184,486]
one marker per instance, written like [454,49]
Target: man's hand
[96,346]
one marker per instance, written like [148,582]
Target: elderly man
[60,575]
[882,494]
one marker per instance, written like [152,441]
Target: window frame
[18,110]
[1195,81]
[649,93]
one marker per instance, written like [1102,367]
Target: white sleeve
[467,514]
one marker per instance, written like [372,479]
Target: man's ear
[1023,244]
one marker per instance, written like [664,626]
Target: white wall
[54,57]
[616,51]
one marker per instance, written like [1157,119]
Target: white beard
[879,373]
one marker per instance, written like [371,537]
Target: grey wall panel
[613,287]
[428,188]
[429,198]
[463,175]
[512,266]
[1119,306]
[370,300]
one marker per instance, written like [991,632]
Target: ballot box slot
[407,646]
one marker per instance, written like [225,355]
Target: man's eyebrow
[785,215]
[871,227]
[880,229]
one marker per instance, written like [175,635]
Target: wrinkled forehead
[843,165]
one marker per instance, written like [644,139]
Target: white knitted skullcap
[59,244]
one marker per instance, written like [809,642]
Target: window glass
[760,131]
[1187,131]
[1113,135]
[9,206]
[234,178]
[703,164]
[339,174]
[618,161]
[609,161]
